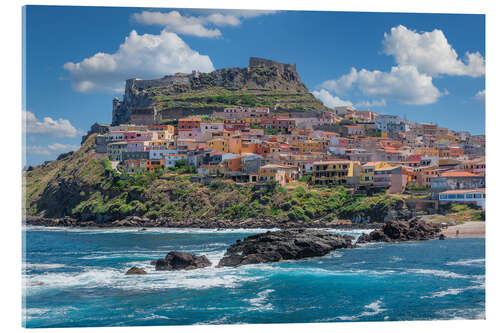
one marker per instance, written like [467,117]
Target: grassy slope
[84,185]
[217,97]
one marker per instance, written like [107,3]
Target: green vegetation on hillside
[85,186]
[218,97]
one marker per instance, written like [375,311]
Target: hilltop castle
[260,75]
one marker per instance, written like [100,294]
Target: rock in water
[283,245]
[135,271]
[175,261]
[398,231]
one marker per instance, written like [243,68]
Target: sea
[76,278]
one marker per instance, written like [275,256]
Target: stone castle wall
[256,62]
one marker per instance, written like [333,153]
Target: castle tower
[116,107]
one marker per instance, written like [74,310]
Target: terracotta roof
[332,162]
[277,166]
[457,174]
[482,190]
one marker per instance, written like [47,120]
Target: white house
[383,122]
[158,154]
[476,196]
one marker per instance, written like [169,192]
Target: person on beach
[457,233]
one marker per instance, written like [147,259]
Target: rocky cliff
[263,83]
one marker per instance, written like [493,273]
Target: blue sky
[426,67]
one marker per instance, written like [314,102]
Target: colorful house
[283,174]
[475,196]
[336,172]
[115,149]
[186,124]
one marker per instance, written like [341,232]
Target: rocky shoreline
[210,223]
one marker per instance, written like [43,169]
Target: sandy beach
[468,229]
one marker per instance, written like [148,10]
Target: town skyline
[451,96]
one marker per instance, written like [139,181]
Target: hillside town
[364,151]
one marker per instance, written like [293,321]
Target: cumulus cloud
[430,53]
[480,96]
[52,149]
[371,104]
[142,56]
[175,22]
[59,128]
[403,83]
[196,25]
[329,100]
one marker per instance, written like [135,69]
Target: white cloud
[196,25]
[60,128]
[143,56]
[329,100]
[175,22]
[52,149]
[371,104]
[430,53]
[480,96]
[404,84]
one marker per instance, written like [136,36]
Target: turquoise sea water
[76,277]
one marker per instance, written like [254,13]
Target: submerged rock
[135,271]
[397,231]
[175,261]
[283,245]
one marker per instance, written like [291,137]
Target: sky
[424,67]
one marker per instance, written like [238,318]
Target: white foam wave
[372,309]
[438,273]
[42,266]
[155,230]
[467,262]
[204,278]
[259,302]
[479,283]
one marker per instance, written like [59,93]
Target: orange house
[186,124]
[151,165]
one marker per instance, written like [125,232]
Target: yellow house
[283,174]
[219,144]
[308,146]
[336,172]
[368,170]
[235,145]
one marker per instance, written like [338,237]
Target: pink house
[194,133]
[210,127]
[140,136]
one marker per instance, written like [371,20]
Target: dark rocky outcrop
[175,261]
[398,231]
[283,245]
[135,271]
[205,223]
[261,76]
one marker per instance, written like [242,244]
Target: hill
[83,186]
[263,83]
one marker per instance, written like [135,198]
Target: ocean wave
[154,230]
[467,262]
[479,283]
[372,309]
[462,314]
[260,303]
[438,273]
[114,278]
[57,312]
[42,266]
